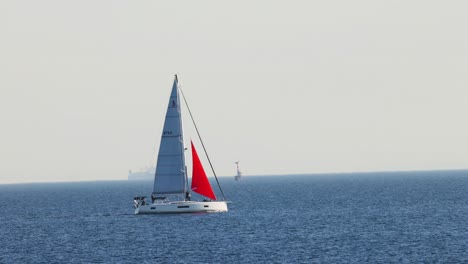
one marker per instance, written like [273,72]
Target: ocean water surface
[399,217]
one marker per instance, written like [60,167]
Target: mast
[203,145]
[186,188]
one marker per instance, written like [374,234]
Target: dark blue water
[344,218]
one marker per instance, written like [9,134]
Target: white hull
[182,207]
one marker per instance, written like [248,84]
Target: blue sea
[397,217]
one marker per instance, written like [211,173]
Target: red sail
[200,183]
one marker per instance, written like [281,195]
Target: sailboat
[170,189]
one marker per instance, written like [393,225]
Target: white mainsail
[170,176]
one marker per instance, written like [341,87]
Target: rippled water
[340,218]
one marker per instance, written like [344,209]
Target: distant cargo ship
[145,174]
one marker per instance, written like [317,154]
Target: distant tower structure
[239,173]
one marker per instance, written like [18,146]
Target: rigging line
[198,133]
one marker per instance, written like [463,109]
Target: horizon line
[257,175]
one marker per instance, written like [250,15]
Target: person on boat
[153,197]
[187,196]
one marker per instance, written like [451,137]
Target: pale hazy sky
[282,86]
